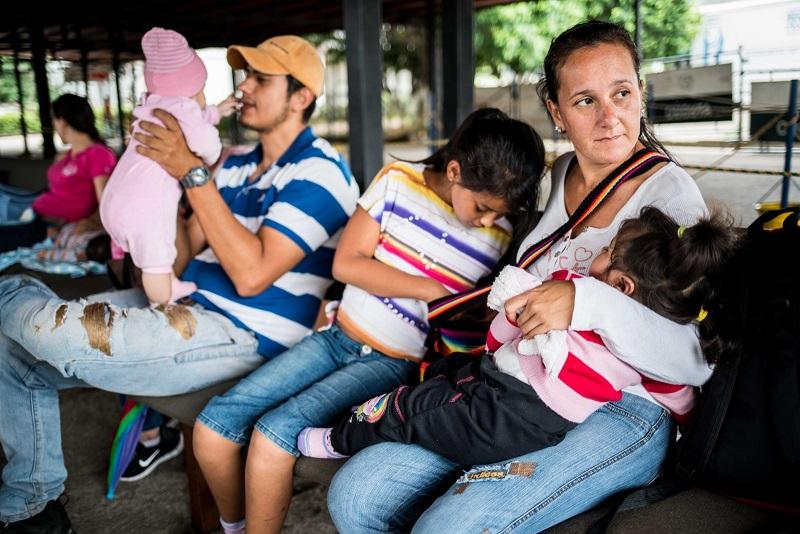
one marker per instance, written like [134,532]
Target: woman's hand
[166,145]
[545,308]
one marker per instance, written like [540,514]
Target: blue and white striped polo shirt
[308,195]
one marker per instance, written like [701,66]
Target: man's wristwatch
[195,177]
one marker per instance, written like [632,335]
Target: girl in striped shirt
[533,391]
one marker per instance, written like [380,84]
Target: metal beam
[235,133]
[362,25]
[84,64]
[458,65]
[434,72]
[23,126]
[115,64]
[39,63]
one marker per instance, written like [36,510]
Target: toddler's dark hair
[679,271]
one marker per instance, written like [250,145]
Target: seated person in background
[75,179]
[140,205]
[533,391]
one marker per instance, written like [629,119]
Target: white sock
[181,289]
[232,528]
[153,442]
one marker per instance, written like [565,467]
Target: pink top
[587,378]
[71,194]
[141,199]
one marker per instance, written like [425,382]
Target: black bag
[744,440]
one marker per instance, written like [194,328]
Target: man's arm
[197,239]
[252,262]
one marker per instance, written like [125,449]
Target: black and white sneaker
[146,459]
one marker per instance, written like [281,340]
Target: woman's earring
[559,130]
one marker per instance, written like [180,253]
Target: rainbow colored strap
[641,162]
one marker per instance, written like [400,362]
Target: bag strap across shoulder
[641,162]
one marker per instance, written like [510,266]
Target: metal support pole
[458,65]
[116,66]
[23,126]
[85,70]
[741,95]
[791,131]
[362,26]
[84,61]
[39,62]
[434,67]
[237,138]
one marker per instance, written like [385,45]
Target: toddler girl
[139,207]
[535,390]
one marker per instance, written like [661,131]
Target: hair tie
[702,315]
[681,230]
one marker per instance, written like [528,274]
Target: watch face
[199,176]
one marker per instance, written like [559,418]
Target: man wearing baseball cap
[262,236]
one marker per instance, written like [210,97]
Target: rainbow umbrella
[125,441]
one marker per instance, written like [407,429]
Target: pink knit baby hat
[171,67]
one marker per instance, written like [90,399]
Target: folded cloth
[69,245]
[552,346]
[63,255]
[511,282]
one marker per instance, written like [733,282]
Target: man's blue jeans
[111,341]
[391,487]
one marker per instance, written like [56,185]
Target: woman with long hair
[593,93]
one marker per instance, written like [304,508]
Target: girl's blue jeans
[112,341]
[311,384]
[393,487]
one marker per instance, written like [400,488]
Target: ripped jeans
[392,487]
[112,341]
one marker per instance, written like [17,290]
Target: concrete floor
[158,504]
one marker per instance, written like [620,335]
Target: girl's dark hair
[588,34]
[679,271]
[498,155]
[77,112]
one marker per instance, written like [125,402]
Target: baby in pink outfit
[139,207]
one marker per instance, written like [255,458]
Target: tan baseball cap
[284,54]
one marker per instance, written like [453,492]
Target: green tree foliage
[516,36]
[403,48]
[8,82]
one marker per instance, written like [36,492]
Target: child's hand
[228,106]
[435,290]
